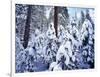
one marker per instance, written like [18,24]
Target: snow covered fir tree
[53,38]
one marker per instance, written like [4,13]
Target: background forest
[53,38]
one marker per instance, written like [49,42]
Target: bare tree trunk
[27,27]
[56,20]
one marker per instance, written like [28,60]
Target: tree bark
[27,27]
[56,20]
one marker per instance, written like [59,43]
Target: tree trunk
[27,27]
[56,20]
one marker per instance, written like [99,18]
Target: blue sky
[72,10]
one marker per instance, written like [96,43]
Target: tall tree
[27,27]
[82,17]
[64,12]
[81,20]
[89,18]
[56,20]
